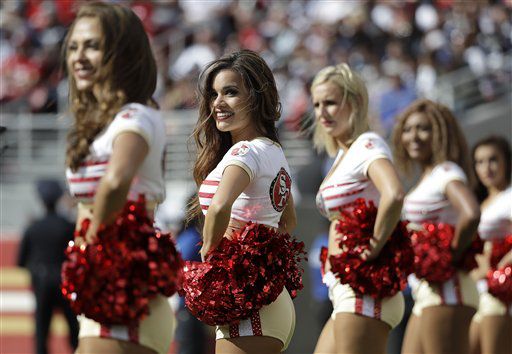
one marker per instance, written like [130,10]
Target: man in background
[42,253]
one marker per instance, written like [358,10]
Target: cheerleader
[492,324]
[427,134]
[245,195]
[120,272]
[361,179]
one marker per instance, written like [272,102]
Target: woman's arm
[233,182]
[128,152]
[463,200]
[383,174]
[288,220]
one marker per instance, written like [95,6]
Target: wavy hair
[354,93]
[127,74]
[448,140]
[264,106]
[503,147]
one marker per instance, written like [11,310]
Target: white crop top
[349,181]
[428,201]
[265,198]
[149,180]
[496,218]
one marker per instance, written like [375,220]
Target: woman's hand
[373,251]
[506,260]
[90,235]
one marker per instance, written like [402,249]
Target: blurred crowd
[400,47]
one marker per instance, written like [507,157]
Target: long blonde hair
[448,140]
[354,93]
[127,74]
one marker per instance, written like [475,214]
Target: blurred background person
[491,327]
[362,171]
[41,251]
[115,170]
[322,306]
[427,135]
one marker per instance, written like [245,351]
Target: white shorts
[155,331]
[489,305]
[344,299]
[459,290]
[276,320]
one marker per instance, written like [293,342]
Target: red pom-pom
[433,259]
[242,275]
[379,278]
[500,248]
[112,279]
[499,282]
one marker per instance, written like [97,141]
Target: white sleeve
[133,119]
[371,147]
[244,155]
[447,172]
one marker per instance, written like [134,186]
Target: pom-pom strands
[242,275]
[433,260]
[379,278]
[112,279]
[499,282]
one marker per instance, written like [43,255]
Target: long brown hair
[265,107]
[448,140]
[503,146]
[127,74]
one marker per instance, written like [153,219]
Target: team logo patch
[128,113]
[280,190]
[240,151]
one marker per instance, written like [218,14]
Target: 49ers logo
[240,151]
[280,190]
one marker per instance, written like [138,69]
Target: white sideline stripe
[17,301]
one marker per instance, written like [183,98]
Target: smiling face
[490,166]
[416,137]
[84,52]
[330,110]
[231,105]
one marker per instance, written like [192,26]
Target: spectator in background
[42,253]
[307,35]
[319,291]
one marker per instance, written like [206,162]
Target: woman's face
[230,103]
[84,52]
[330,111]
[490,166]
[417,137]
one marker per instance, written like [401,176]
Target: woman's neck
[495,190]
[426,167]
[245,134]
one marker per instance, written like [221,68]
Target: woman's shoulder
[446,167]
[256,146]
[506,194]
[138,110]
[369,139]
[446,172]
